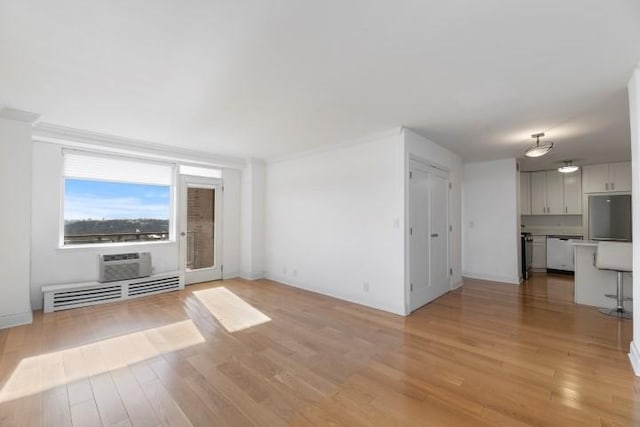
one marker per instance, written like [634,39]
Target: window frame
[173,219]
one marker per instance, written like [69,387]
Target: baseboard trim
[252,275]
[231,275]
[371,304]
[16,319]
[634,357]
[491,278]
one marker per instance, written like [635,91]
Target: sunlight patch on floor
[43,372]
[231,311]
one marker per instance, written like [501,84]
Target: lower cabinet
[539,253]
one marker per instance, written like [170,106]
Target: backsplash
[551,220]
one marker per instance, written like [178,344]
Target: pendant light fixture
[540,149]
[568,167]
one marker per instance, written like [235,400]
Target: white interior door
[200,228]
[439,237]
[428,234]
[419,235]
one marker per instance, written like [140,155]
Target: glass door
[200,228]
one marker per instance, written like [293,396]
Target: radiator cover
[74,295]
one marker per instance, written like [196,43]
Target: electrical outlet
[294,272]
[284,270]
[365,286]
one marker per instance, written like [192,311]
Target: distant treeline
[112,226]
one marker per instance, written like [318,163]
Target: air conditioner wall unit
[114,267]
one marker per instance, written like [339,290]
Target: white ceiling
[269,78]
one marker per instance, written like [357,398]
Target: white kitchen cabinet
[620,176]
[538,193]
[607,177]
[555,192]
[539,253]
[573,193]
[525,193]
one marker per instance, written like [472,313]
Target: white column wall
[490,215]
[634,115]
[252,220]
[15,217]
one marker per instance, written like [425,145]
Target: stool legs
[619,311]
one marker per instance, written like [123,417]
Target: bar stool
[615,256]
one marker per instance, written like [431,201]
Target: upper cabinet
[538,193]
[550,193]
[607,177]
[525,196]
[555,192]
[573,193]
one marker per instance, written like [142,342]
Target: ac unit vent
[116,267]
[154,286]
[79,298]
[121,257]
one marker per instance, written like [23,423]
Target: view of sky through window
[100,200]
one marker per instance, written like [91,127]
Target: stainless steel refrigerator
[610,217]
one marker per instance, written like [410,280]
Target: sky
[113,200]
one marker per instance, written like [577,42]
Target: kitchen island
[591,284]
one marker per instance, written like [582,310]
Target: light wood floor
[485,354]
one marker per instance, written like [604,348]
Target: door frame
[407,223]
[210,273]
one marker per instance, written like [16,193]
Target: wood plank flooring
[485,354]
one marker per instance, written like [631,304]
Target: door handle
[434,235]
[613,185]
[183,233]
[606,186]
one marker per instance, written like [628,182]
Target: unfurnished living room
[312,213]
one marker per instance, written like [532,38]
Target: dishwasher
[560,252]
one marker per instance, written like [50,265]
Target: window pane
[105,212]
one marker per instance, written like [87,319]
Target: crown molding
[18,115]
[344,144]
[71,137]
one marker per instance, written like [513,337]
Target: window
[200,171]
[112,200]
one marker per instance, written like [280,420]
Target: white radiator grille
[154,286]
[62,300]
[63,297]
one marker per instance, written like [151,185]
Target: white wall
[634,115]
[15,221]
[53,265]
[334,220]
[491,233]
[420,147]
[252,234]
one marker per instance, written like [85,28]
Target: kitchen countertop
[584,242]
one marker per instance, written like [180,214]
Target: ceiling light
[568,167]
[539,149]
